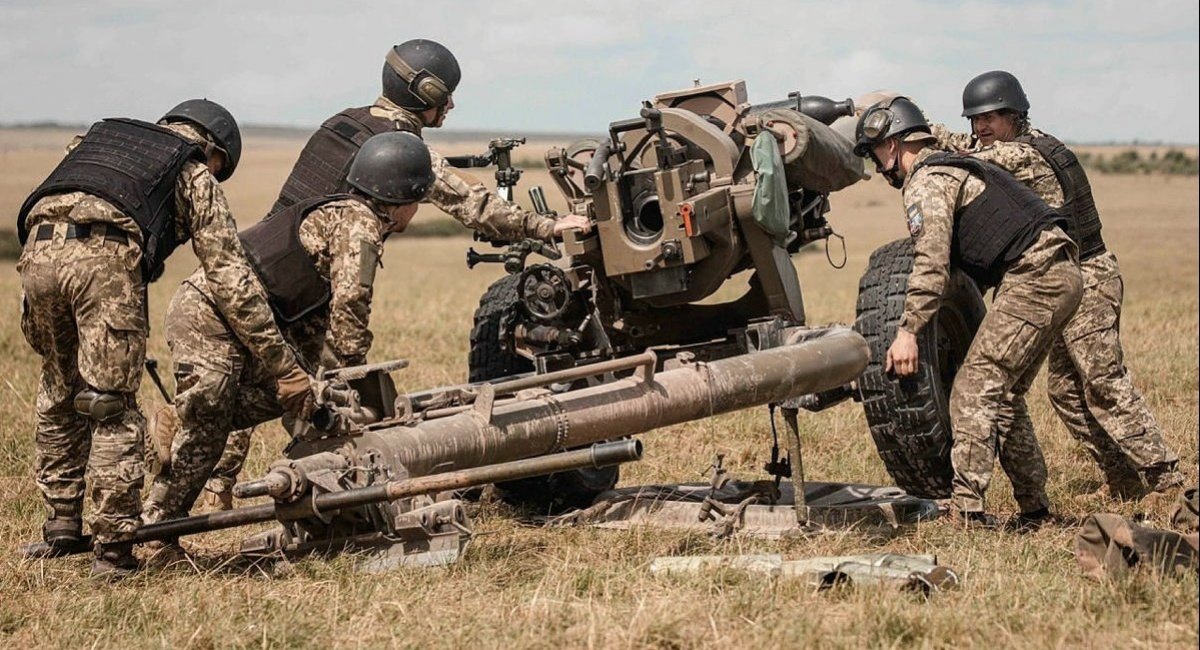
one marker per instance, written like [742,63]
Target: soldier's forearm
[948,140]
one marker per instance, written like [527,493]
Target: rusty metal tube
[601,455]
[819,361]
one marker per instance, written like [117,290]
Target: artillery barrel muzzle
[272,484]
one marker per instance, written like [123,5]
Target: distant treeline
[1130,161]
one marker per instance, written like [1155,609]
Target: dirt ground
[529,587]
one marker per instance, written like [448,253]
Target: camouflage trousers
[84,313]
[988,414]
[225,474]
[1091,389]
[220,388]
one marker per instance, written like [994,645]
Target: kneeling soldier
[966,213]
[95,232]
[317,261]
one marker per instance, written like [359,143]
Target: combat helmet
[392,167]
[218,123]
[889,118]
[420,74]
[993,91]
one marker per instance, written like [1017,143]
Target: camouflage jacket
[463,197]
[1017,158]
[201,214]
[345,241]
[931,197]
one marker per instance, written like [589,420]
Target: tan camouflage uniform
[225,474]
[84,313]
[463,197]
[1038,294]
[456,193]
[1087,381]
[223,386]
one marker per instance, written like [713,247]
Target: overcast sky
[1094,70]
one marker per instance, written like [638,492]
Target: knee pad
[99,406]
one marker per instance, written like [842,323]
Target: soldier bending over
[95,232]
[966,213]
[317,261]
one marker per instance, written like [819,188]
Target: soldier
[970,214]
[95,233]
[419,79]
[1088,384]
[317,261]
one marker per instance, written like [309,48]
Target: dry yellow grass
[524,587]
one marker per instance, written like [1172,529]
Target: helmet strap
[893,172]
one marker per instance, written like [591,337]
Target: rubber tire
[491,359]
[909,418]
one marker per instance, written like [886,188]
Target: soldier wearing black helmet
[967,213]
[95,233]
[317,261]
[1088,382]
[419,80]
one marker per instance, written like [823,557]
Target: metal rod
[800,502]
[647,358]
[599,455]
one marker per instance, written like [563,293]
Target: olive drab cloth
[223,387]
[770,205]
[1111,546]
[1087,381]
[84,313]
[1036,296]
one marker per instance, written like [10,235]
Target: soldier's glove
[295,393]
[164,426]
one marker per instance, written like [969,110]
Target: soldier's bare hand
[902,356]
[572,222]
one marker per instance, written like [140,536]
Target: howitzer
[700,186]
[367,484]
[608,343]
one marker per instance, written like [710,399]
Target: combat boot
[1163,478]
[1028,522]
[1165,484]
[163,553]
[63,531]
[979,520]
[113,561]
[1129,489]
[218,500]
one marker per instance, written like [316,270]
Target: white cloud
[1094,70]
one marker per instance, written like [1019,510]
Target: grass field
[529,587]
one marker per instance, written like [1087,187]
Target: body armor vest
[995,229]
[134,166]
[1083,220]
[294,286]
[325,160]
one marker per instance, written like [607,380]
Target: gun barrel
[492,432]
[599,455]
